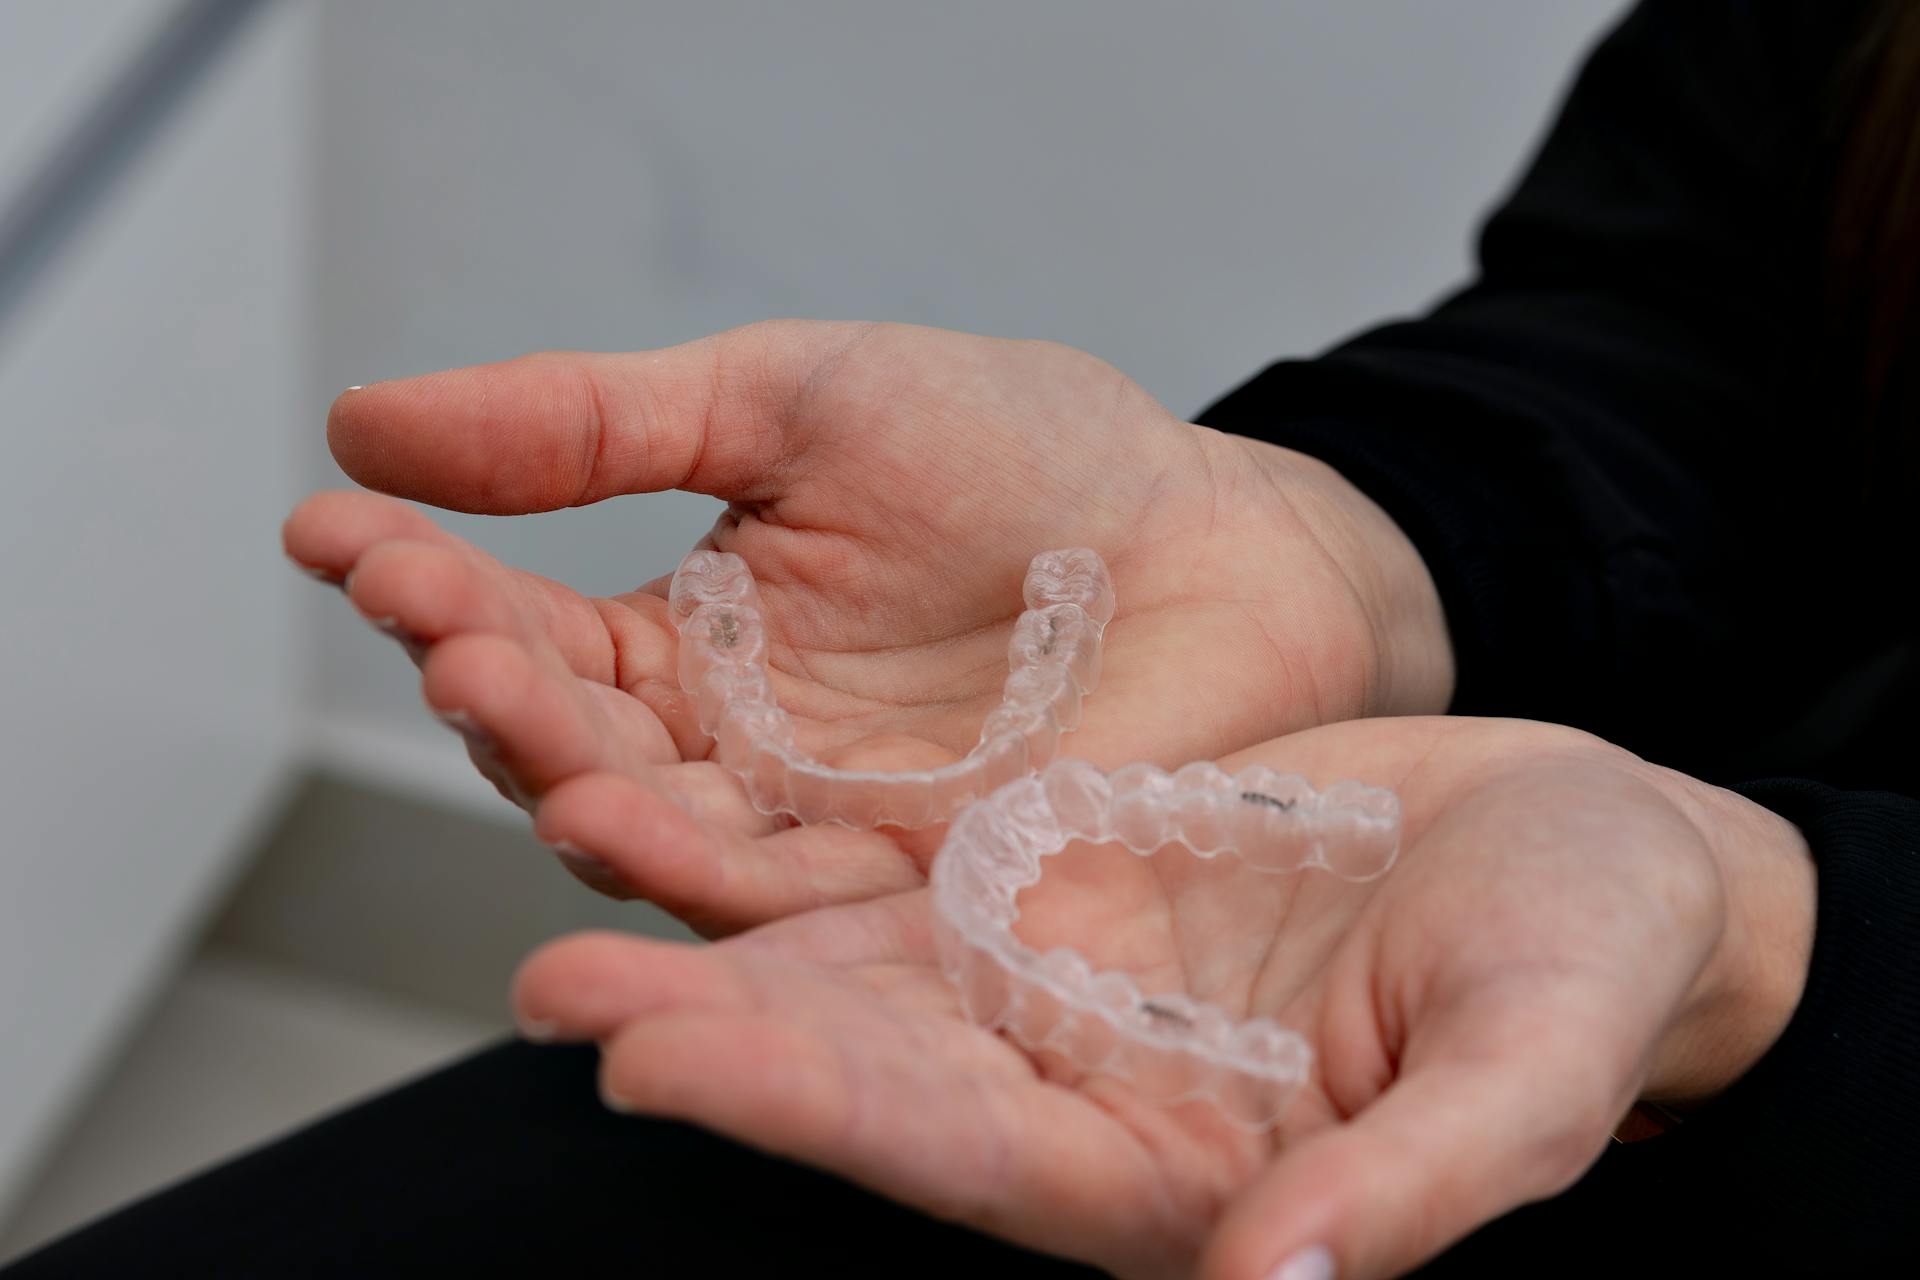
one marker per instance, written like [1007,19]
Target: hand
[1568,929]
[888,486]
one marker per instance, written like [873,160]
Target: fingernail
[596,874]
[390,627]
[463,723]
[358,386]
[614,1102]
[312,572]
[538,1030]
[1308,1264]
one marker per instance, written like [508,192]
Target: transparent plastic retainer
[1168,1048]
[1054,661]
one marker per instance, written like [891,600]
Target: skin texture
[1569,928]
[1558,939]
[888,485]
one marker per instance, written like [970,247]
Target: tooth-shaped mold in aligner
[1170,1048]
[1053,660]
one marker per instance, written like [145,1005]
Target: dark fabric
[1632,483]
[1807,1165]
[508,1165]
[1637,496]
[1814,1155]
[1638,492]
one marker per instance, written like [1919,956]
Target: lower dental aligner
[1054,661]
[1169,1048]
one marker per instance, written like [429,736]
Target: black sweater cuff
[1438,499]
[1810,1163]
[1489,499]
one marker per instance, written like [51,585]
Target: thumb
[562,429]
[1497,1117]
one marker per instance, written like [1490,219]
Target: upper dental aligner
[1054,662]
[1169,1047]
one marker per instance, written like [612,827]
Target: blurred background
[244,878]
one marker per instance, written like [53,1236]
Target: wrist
[1402,616]
[1753,979]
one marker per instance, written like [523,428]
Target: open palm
[1543,953]
[888,486]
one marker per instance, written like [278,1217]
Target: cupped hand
[888,486]
[1567,929]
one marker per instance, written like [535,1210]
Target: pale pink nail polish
[312,572]
[463,723]
[415,647]
[1315,1263]
[591,870]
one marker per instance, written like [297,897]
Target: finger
[402,566]
[654,839]
[328,532]
[713,797]
[586,986]
[589,823]
[646,648]
[895,928]
[589,985]
[1501,1109]
[429,593]
[688,841]
[563,429]
[542,726]
[922,1108]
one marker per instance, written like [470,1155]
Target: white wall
[1186,190]
[147,622]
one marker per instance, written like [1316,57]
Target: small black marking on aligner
[725,631]
[1053,634]
[1160,1012]
[1272,802]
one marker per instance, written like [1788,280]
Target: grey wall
[1185,190]
[56,58]
[148,697]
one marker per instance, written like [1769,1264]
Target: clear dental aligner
[1170,1048]
[1054,661]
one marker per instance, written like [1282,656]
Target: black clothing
[507,1164]
[1640,513]
[1613,448]
[1639,499]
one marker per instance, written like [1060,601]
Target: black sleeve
[1810,1163]
[1815,1153]
[1602,446]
